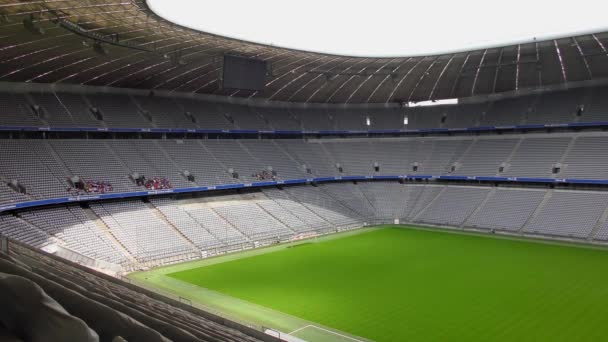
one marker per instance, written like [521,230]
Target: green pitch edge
[238,310]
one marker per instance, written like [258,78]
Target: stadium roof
[124,44]
[384,28]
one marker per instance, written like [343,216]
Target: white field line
[299,329]
[326,330]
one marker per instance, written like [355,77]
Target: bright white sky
[387,27]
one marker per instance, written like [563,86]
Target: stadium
[164,182]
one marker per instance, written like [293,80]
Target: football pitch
[395,284]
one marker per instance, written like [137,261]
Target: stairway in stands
[108,232]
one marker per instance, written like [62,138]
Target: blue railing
[87,198]
[295,132]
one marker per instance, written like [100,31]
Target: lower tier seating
[138,233]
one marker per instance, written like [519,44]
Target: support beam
[497,70]
[457,80]
[483,58]
[561,61]
[424,74]
[390,96]
[583,57]
[439,77]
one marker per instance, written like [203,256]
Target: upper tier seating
[312,119]
[508,111]
[557,107]
[596,105]
[16,111]
[163,112]
[244,117]
[279,118]
[79,110]
[466,115]
[54,112]
[147,111]
[205,114]
[119,111]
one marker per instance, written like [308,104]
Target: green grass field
[396,284]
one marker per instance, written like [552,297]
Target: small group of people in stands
[158,183]
[97,187]
[90,187]
[264,175]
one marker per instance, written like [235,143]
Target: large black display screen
[244,73]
